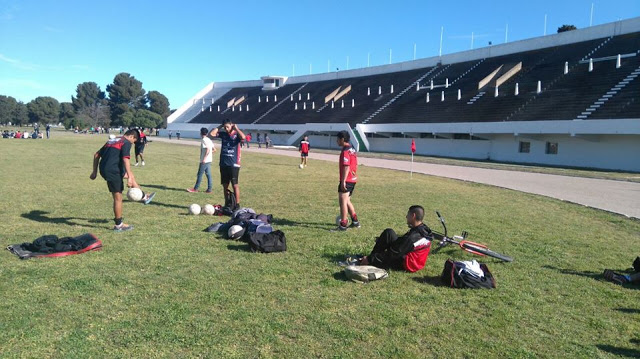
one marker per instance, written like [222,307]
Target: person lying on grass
[389,250]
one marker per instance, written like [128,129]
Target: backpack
[365,274]
[456,275]
[416,259]
[229,203]
[267,242]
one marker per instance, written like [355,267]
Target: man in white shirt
[206,156]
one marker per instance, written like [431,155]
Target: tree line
[127,104]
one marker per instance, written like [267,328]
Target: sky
[49,47]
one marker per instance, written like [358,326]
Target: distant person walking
[304,151]
[248,140]
[170,134]
[259,141]
[48,129]
[267,141]
[206,157]
[178,134]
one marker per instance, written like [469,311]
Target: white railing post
[442,96]
[496,92]
[591,64]
[618,61]
[459,94]
[539,89]
[517,91]
[566,67]
[427,97]
[391,88]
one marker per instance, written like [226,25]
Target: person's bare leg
[236,189]
[117,204]
[343,199]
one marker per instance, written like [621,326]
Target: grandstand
[567,99]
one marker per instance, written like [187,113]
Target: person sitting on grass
[114,162]
[619,278]
[389,250]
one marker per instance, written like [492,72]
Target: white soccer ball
[338,219]
[195,209]
[208,209]
[235,231]
[301,166]
[134,194]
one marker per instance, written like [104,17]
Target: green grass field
[167,289]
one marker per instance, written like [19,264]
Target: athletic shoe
[351,261]
[339,229]
[192,190]
[208,191]
[143,163]
[355,224]
[149,198]
[136,165]
[122,228]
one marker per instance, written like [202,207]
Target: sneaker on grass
[192,190]
[355,224]
[149,198]
[122,227]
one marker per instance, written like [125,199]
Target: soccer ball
[301,166]
[235,231]
[208,209]
[134,194]
[338,219]
[194,209]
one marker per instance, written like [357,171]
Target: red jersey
[348,158]
[304,146]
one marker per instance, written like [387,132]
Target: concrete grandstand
[568,99]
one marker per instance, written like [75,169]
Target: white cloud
[18,64]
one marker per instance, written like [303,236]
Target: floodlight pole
[347,62]
[545,25]
[389,56]
[368,58]
[441,32]
[414,50]
[471,40]
[506,33]
[591,17]
[294,70]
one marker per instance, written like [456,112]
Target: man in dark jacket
[389,250]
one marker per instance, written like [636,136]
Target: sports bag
[365,274]
[267,242]
[458,275]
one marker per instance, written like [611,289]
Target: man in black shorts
[113,160]
[231,138]
[348,166]
[141,142]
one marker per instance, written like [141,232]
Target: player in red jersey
[304,151]
[348,166]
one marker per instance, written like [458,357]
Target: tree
[87,94]
[125,94]
[67,113]
[20,114]
[142,118]
[8,106]
[43,109]
[159,104]
[564,28]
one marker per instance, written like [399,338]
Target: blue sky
[48,47]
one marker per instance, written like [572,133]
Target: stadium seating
[575,95]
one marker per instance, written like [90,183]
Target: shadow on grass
[589,274]
[239,247]
[156,203]
[628,310]
[163,187]
[625,352]
[435,281]
[41,216]
[287,222]
[341,276]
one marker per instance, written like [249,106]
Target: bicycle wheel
[487,252]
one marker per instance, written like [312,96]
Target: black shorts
[229,174]
[139,149]
[304,154]
[115,185]
[350,187]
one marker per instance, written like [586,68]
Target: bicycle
[471,247]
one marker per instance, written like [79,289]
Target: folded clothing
[52,246]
